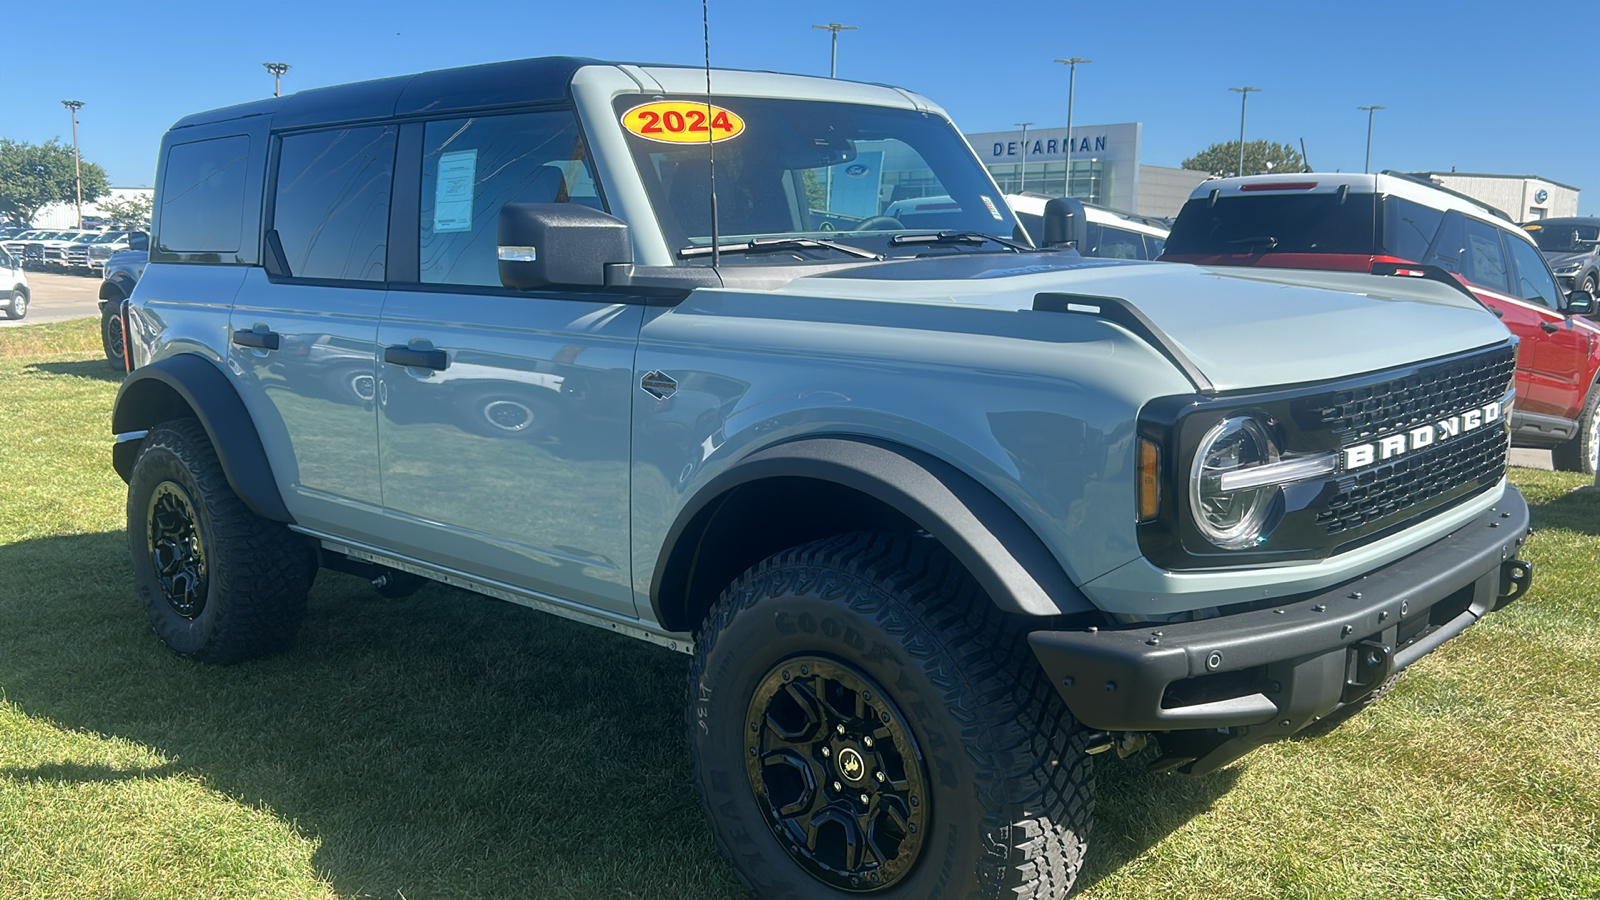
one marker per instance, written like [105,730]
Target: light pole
[1024,180]
[1072,81]
[835,27]
[1370,110]
[1244,98]
[277,70]
[77,159]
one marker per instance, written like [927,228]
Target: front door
[504,416]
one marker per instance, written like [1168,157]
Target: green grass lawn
[449,746]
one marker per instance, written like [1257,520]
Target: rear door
[1561,354]
[504,415]
[1471,248]
[304,339]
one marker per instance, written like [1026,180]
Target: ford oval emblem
[1541,195]
[856,171]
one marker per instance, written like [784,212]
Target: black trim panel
[1121,680]
[1008,560]
[147,398]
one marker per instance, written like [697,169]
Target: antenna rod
[1305,161]
[711,134]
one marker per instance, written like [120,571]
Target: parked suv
[937,514]
[14,294]
[1107,233]
[1353,223]
[1572,247]
[122,271]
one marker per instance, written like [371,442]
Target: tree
[1260,158]
[33,176]
[132,211]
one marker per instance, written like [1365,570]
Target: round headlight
[1233,520]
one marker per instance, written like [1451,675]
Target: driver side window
[1534,282]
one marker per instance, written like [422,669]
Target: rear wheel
[864,720]
[111,333]
[217,582]
[1582,453]
[19,305]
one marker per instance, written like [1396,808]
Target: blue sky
[1479,86]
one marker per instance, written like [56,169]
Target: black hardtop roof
[521,81]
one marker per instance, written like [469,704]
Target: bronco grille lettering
[1397,445]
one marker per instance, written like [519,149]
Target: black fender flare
[988,537]
[159,391]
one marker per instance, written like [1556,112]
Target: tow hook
[1126,743]
[1516,576]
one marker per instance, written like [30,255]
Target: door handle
[436,360]
[261,340]
[1549,327]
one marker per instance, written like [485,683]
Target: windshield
[1275,223]
[1556,237]
[810,169]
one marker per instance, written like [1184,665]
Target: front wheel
[864,720]
[218,582]
[1582,452]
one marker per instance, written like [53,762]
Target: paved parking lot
[59,297]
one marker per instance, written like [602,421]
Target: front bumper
[1252,677]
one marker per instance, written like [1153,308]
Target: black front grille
[1477,459]
[1427,395]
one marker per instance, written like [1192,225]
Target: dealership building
[1105,167]
[1525,198]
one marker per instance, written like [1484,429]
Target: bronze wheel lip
[177,550]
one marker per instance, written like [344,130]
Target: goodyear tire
[1582,453]
[863,720]
[217,582]
[111,333]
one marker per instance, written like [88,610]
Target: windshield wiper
[778,244]
[955,237]
[1264,240]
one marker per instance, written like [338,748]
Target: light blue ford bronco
[938,514]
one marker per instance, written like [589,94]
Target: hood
[1243,328]
[1559,258]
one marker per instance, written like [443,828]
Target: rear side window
[1115,243]
[472,167]
[1276,223]
[1409,228]
[331,207]
[202,196]
[1482,261]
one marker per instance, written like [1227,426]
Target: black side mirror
[138,241]
[1065,224]
[544,244]
[1580,303]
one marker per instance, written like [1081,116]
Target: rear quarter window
[202,196]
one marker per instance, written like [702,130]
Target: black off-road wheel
[864,721]
[217,582]
[111,334]
[1582,453]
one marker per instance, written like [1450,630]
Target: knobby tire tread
[1035,782]
[262,570]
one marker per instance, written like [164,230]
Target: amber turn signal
[1149,479]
